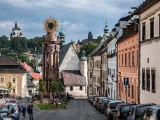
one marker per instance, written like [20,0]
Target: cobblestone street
[77,110]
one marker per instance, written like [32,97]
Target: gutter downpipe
[139,63]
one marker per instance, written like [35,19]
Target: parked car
[111,109]
[94,100]
[151,113]
[90,98]
[71,97]
[11,100]
[101,101]
[136,111]
[98,101]
[104,105]
[123,110]
[14,111]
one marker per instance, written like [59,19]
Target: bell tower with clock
[51,49]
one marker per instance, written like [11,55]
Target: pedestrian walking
[23,109]
[30,111]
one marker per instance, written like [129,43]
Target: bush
[19,97]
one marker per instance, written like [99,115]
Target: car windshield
[125,109]
[140,110]
[114,105]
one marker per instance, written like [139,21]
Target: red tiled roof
[71,77]
[26,67]
[36,76]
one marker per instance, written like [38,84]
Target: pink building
[128,63]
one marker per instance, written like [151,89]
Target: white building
[73,71]
[112,58]
[149,13]
[16,32]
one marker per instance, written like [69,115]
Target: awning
[3,90]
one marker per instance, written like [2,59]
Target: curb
[37,107]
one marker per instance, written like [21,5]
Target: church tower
[51,51]
[106,31]
[83,65]
[16,31]
[62,36]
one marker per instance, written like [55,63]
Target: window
[119,90]
[159,24]
[129,58]
[125,59]
[148,79]
[147,60]
[2,80]
[71,88]
[91,74]
[132,58]
[13,90]
[129,90]
[119,60]
[132,91]
[143,31]
[122,59]
[81,88]
[143,78]
[30,92]
[137,57]
[90,64]
[152,28]
[14,80]
[153,80]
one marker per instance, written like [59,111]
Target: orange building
[127,56]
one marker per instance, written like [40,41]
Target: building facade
[112,57]
[149,13]
[11,72]
[127,46]
[90,74]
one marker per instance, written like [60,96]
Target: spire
[106,34]
[106,28]
[15,24]
[83,57]
[62,35]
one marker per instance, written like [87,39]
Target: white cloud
[79,16]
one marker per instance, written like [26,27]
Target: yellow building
[10,71]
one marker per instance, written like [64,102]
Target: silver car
[14,112]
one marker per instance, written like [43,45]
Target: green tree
[4,42]
[99,38]
[60,87]
[22,57]
[9,86]
[19,44]
[88,48]
[41,87]
[35,42]
[33,63]
[90,35]
[54,86]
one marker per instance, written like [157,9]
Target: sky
[78,16]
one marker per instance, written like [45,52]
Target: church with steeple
[16,31]
[72,70]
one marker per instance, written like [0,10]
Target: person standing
[23,109]
[30,111]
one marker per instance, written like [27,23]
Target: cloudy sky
[78,16]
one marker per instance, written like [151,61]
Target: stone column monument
[51,49]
